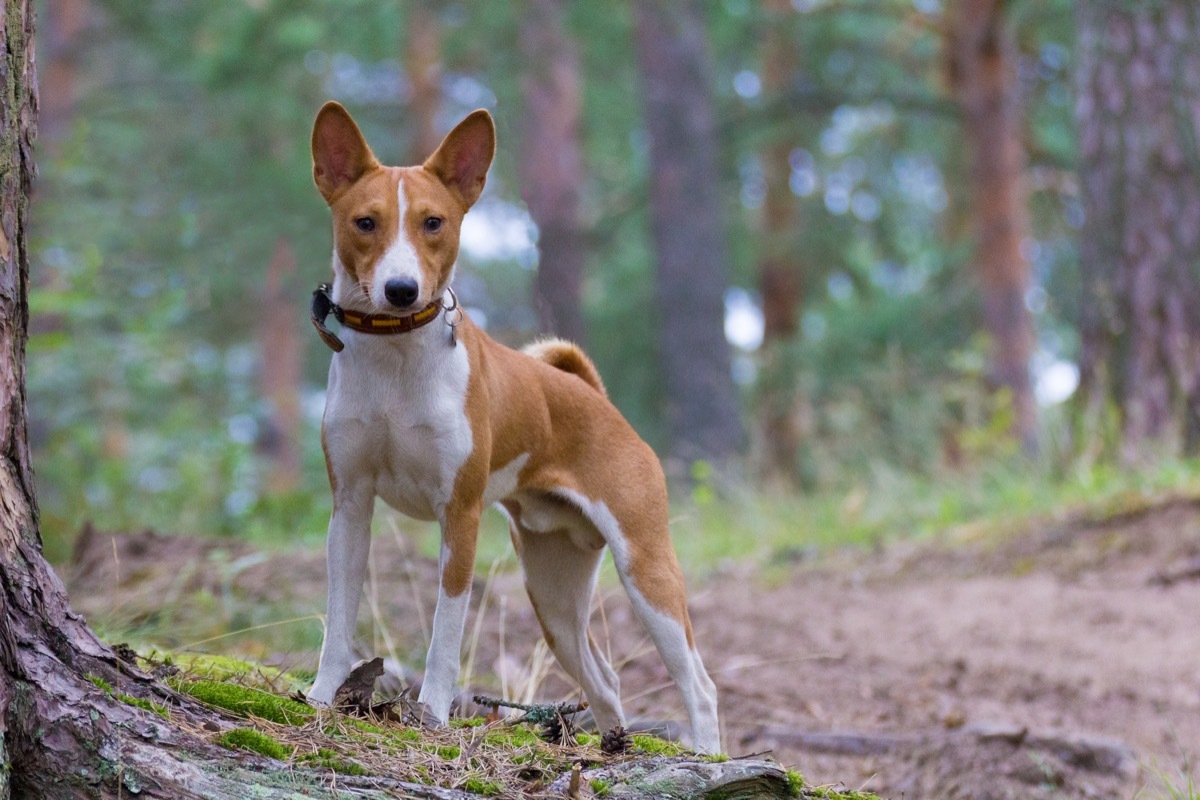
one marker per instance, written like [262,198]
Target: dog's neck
[427,339]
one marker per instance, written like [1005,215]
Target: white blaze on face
[400,259]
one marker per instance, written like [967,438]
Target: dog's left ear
[463,158]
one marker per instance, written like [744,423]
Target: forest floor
[1061,660]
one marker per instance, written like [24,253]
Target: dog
[427,412]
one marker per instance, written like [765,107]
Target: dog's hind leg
[652,578]
[560,577]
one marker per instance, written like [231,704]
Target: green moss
[247,702]
[715,758]
[406,735]
[646,743]
[147,705]
[254,741]
[601,787]
[473,722]
[481,786]
[586,738]
[100,682]
[513,736]
[445,751]
[795,782]
[330,760]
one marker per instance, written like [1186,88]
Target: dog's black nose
[401,292]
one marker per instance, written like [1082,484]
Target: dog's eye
[365,224]
[433,224]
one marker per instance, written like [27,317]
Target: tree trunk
[688,232]
[423,62]
[63,25]
[982,67]
[781,266]
[551,165]
[1139,114]
[281,351]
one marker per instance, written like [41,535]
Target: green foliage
[888,505]
[255,742]
[483,786]
[1177,785]
[652,745]
[795,782]
[513,736]
[328,759]
[147,705]
[101,683]
[247,702]
[186,161]
[601,787]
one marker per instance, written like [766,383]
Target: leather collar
[323,306]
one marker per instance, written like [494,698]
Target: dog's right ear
[340,153]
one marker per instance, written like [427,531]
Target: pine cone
[552,730]
[615,742]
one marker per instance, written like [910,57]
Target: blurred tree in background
[848,228]
[1139,119]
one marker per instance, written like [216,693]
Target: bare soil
[1062,661]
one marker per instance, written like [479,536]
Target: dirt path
[1052,664]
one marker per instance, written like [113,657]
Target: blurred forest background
[853,267]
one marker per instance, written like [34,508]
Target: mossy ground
[496,759]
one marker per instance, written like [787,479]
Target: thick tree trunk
[688,232]
[423,62]
[982,66]
[1139,117]
[781,266]
[281,351]
[551,165]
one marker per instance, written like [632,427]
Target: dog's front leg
[460,529]
[347,549]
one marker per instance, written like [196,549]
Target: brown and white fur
[440,431]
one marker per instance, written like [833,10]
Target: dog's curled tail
[568,357]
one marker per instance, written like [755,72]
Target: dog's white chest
[396,416]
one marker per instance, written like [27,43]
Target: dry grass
[501,759]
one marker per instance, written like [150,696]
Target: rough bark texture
[423,62]
[1139,117]
[551,165]
[685,779]
[688,231]
[982,68]
[281,351]
[781,267]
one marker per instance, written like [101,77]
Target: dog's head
[396,229]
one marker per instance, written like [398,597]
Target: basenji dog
[430,414]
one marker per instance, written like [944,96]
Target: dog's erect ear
[463,158]
[340,153]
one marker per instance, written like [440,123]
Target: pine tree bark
[982,67]
[63,25]
[551,165]
[688,232]
[281,351]
[423,63]
[1138,114]
[781,266]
